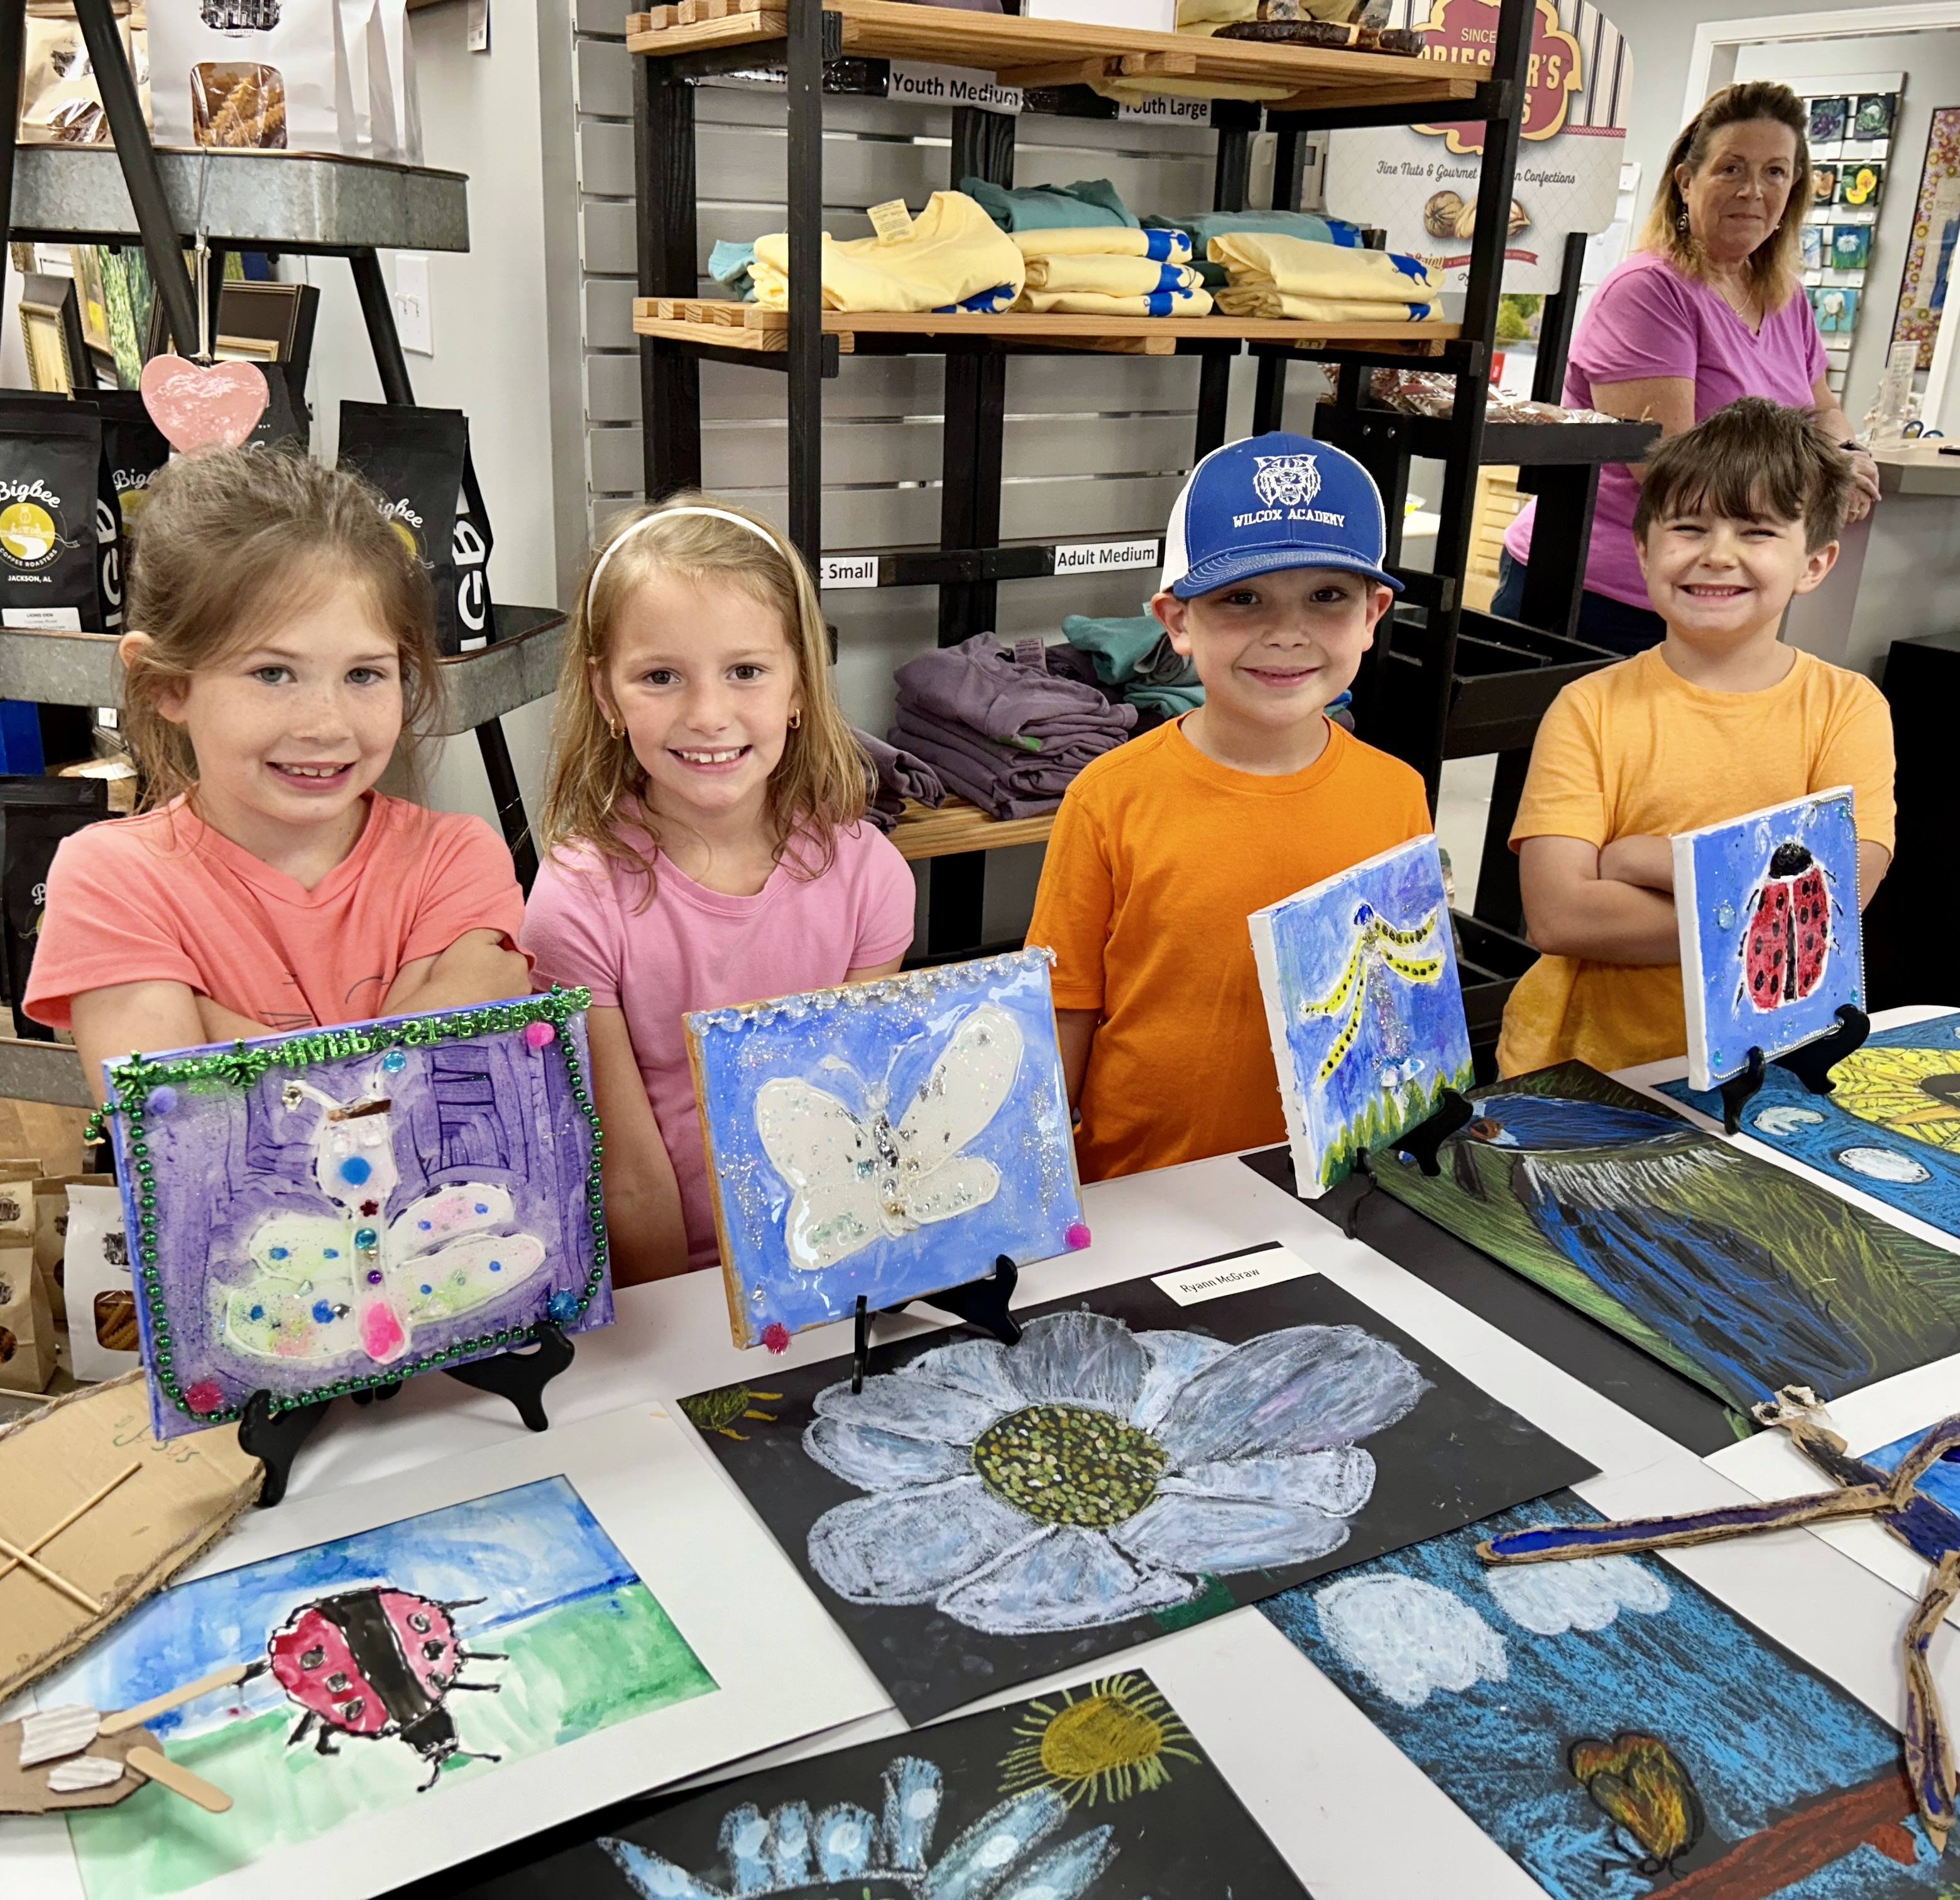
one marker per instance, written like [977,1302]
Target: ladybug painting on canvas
[1786,944]
[377,1663]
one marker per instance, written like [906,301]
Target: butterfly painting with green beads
[335,1210]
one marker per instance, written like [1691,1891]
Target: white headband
[632,528]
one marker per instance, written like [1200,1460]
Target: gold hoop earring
[796,722]
[615,729]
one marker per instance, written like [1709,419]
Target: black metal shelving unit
[1445,682]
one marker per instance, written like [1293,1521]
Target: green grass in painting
[1385,1117]
[574,1668]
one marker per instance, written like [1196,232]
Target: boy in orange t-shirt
[1736,515]
[1272,584]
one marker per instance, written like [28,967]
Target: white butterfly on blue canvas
[854,1178]
[325,1285]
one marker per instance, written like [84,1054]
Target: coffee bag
[33,823]
[57,515]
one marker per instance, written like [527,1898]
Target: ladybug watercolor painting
[1786,947]
[374,1663]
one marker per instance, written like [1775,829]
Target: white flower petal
[1220,1535]
[912,1406]
[906,1547]
[1174,1357]
[1066,1872]
[1067,1578]
[1083,1359]
[1300,1390]
[982,1367]
[875,1460]
[1339,1480]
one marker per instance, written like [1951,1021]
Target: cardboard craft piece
[890,1139]
[1364,1006]
[526,1634]
[1093,1790]
[1609,1724]
[1889,1128]
[335,1210]
[26,1790]
[1739,1274]
[1770,947]
[123,1549]
[981,1515]
[102,1334]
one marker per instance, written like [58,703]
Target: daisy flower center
[1066,1464]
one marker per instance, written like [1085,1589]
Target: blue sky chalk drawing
[398,1659]
[888,1138]
[1364,1007]
[317,1212]
[1771,948]
[1890,1127]
[1614,1728]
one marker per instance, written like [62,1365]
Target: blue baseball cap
[1270,502]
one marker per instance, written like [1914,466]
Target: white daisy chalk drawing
[1090,1474]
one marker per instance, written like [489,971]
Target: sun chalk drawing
[1674,1740]
[1364,1007]
[890,1139]
[1732,1270]
[1901,1085]
[1098,1793]
[1409,1638]
[1088,1475]
[1586,1593]
[578,1644]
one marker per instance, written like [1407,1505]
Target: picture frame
[59,362]
[1828,119]
[1928,251]
[1861,183]
[1851,247]
[1824,184]
[1871,116]
[1811,239]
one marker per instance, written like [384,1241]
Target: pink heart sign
[195,407]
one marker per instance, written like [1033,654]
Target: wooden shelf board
[957,826]
[1012,45]
[731,325]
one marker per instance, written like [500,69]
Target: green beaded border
[244,1063]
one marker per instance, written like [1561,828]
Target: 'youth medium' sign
[1419,183]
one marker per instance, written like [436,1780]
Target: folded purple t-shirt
[1647,319]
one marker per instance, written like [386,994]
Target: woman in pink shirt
[705,813]
[285,646]
[1710,309]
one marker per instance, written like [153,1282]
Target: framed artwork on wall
[1936,223]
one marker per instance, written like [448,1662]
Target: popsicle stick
[48,1576]
[136,1716]
[80,1511]
[178,1780]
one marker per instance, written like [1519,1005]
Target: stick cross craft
[1922,1524]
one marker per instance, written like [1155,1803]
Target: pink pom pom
[539,1035]
[205,1396]
[1077,1236]
[381,1335]
[776,1337]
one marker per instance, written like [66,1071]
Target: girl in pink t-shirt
[282,646]
[705,812]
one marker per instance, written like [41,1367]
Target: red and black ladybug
[375,1663]
[1786,945]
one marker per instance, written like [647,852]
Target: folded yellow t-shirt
[1320,310]
[1105,240]
[1087,304]
[1297,267]
[953,251]
[1109,276]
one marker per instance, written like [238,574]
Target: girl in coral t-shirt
[283,645]
[706,806]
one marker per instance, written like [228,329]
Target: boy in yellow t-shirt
[1272,584]
[1736,516]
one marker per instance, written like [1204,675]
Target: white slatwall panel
[1095,445]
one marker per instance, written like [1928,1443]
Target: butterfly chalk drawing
[854,1178]
[325,1286]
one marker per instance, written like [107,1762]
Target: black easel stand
[275,1438]
[980,1303]
[1811,1065]
[1421,1144]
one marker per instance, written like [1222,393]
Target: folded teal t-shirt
[1047,207]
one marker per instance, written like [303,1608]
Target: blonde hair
[1773,265]
[227,540]
[820,785]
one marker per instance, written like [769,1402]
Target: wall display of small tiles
[1850,159]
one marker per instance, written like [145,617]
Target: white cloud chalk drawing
[1586,1593]
[1409,1638]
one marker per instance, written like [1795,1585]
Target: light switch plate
[415,321]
